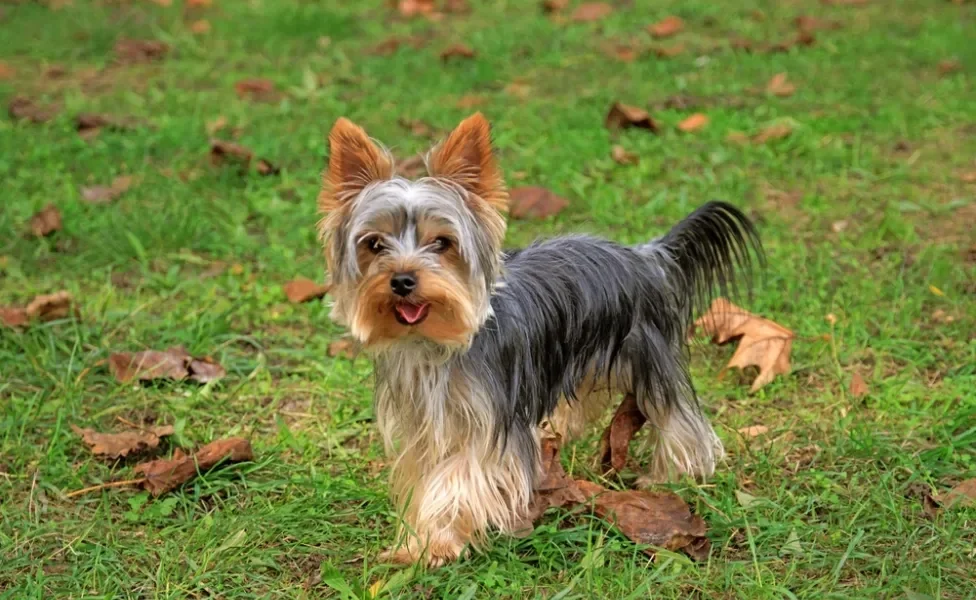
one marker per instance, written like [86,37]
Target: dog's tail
[714,249]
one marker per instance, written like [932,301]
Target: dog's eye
[374,244]
[441,244]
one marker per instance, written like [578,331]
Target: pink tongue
[411,313]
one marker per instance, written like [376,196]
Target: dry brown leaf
[660,519]
[416,127]
[49,307]
[811,24]
[762,343]
[693,123]
[615,444]
[469,101]
[753,431]
[949,66]
[6,71]
[456,7]
[554,489]
[198,3]
[134,51]
[414,8]
[124,443]
[161,476]
[858,387]
[91,124]
[518,89]
[302,289]
[257,90]
[591,11]
[46,221]
[103,194]
[779,86]
[222,151]
[623,116]
[533,202]
[13,316]
[200,26]
[963,494]
[968,177]
[22,108]
[412,167]
[666,27]
[459,51]
[174,363]
[554,6]
[344,347]
[621,156]
[773,132]
[668,51]
[624,53]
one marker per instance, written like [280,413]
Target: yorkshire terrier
[477,350]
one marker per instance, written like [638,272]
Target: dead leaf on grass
[693,123]
[554,6]
[135,51]
[666,27]
[91,124]
[22,108]
[103,194]
[962,495]
[668,51]
[124,443]
[46,221]
[222,151]
[615,444]
[968,177]
[343,347]
[858,387]
[415,8]
[46,307]
[257,90]
[161,476]
[621,156]
[811,24]
[762,343]
[302,289]
[6,71]
[412,167]
[753,431]
[518,89]
[469,101]
[591,11]
[392,44]
[554,489]
[624,116]
[174,363]
[779,86]
[950,66]
[534,202]
[772,132]
[200,26]
[457,51]
[624,52]
[13,316]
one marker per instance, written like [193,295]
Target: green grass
[880,140]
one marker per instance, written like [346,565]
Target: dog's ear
[466,157]
[354,162]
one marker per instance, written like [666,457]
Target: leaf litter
[666,27]
[591,11]
[103,194]
[625,116]
[615,444]
[693,123]
[22,108]
[762,343]
[174,363]
[164,475]
[534,202]
[302,289]
[123,443]
[46,307]
[222,151]
[46,221]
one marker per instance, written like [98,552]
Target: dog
[478,351]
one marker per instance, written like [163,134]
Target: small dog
[478,351]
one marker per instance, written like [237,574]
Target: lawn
[866,209]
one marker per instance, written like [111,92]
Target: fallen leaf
[103,194]
[257,90]
[6,71]
[762,342]
[742,44]
[22,108]
[668,51]
[779,86]
[591,11]
[344,347]
[666,27]
[222,151]
[737,137]
[858,387]
[456,7]
[198,3]
[621,156]
[963,494]
[969,177]
[459,51]
[124,443]
[134,51]
[49,307]
[811,24]
[216,125]
[745,500]
[161,476]
[91,124]
[174,363]
[615,444]
[792,545]
[533,202]
[412,167]
[623,116]
[519,90]
[46,221]
[753,431]
[13,316]
[660,519]
[693,123]
[413,8]
[469,101]
[55,72]
[949,66]
[554,6]
[773,132]
[839,226]
[302,289]
[200,26]
[624,53]
[554,489]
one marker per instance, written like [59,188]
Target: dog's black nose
[403,283]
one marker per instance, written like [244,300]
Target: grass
[197,255]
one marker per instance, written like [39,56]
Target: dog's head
[413,260]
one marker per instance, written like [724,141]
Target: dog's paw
[435,554]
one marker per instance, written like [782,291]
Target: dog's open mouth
[408,313]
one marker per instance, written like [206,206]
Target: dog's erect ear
[354,162]
[466,157]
